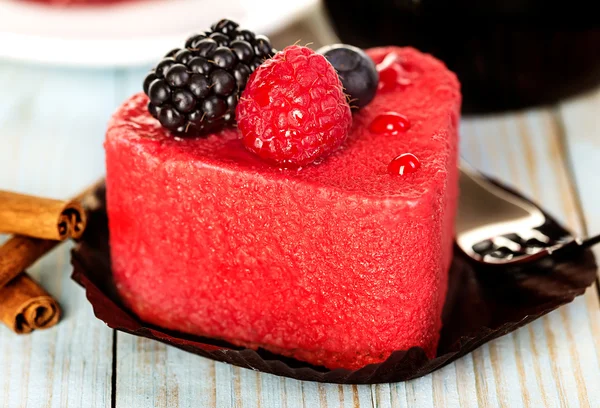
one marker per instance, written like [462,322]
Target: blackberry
[194,90]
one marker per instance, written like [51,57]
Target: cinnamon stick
[25,306]
[39,217]
[20,252]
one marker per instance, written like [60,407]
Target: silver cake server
[497,227]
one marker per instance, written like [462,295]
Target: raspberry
[294,109]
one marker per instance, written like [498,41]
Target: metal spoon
[498,227]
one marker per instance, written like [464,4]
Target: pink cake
[338,263]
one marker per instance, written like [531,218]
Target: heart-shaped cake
[337,263]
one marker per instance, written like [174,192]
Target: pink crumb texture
[337,264]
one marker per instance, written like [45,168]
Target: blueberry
[356,71]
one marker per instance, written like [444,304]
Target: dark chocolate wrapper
[483,303]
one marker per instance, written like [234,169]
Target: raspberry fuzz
[294,109]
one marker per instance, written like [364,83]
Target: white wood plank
[581,124]
[552,362]
[51,130]
[581,121]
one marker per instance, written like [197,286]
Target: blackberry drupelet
[194,90]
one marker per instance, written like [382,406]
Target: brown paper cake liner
[483,303]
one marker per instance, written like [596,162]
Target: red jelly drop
[388,78]
[404,164]
[390,72]
[390,123]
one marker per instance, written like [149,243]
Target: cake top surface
[429,97]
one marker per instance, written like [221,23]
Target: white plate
[128,33]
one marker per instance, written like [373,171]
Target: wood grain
[580,119]
[51,133]
[554,352]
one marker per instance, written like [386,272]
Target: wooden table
[52,124]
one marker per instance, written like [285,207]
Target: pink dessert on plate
[338,263]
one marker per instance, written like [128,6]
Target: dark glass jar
[507,54]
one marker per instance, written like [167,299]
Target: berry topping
[170,117]
[172,52]
[148,80]
[293,109]
[390,123]
[163,66]
[225,26]
[221,39]
[205,47]
[262,46]
[195,90]
[177,76]
[356,70]
[404,164]
[392,73]
[193,40]
[245,35]
[159,92]
[223,57]
[243,50]
[222,82]
[184,56]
